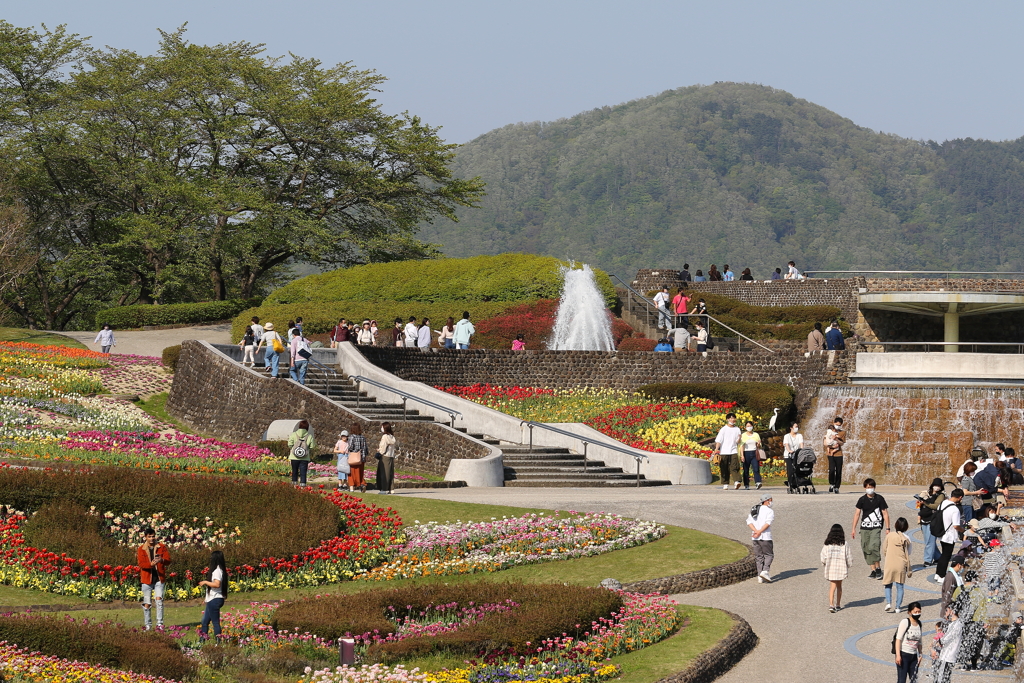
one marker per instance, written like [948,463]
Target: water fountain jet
[582,322]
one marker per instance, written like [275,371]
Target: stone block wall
[616,370]
[214,395]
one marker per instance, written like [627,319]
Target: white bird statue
[771,422]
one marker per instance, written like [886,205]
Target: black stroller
[800,478]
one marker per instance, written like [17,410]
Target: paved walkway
[153,343]
[800,639]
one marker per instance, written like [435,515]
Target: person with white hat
[760,522]
[275,347]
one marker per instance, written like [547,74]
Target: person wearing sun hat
[271,357]
[760,522]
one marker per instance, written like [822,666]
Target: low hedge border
[724,655]
[703,579]
[141,315]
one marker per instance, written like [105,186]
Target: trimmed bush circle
[288,537]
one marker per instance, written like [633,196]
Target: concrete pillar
[951,320]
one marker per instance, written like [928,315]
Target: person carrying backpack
[301,446]
[946,526]
[906,644]
[928,503]
[760,522]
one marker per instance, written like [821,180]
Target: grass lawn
[18,334]
[156,406]
[707,626]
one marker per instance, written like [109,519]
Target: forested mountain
[742,174]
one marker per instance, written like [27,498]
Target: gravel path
[800,639]
[153,343]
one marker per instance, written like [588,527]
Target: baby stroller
[803,466]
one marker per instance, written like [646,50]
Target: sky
[924,70]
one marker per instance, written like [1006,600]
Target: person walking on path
[153,559]
[300,353]
[950,646]
[661,300]
[835,437]
[464,331]
[339,333]
[275,347]
[386,459]
[837,560]
[952,582]
[871,514]
[834,338]
[760,522]
[680,303]
[791,443]
[897,564]
[928,503]
[105,338]
[216,585]
[446,339]
[357,452]
[726,448]
[341,453]
[908,645]
[423,335]
[816,339]
[301,446]
[751,442]
[952,529]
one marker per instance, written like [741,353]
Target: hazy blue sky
[928,70]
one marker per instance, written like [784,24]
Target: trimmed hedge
[173,314]
[170,357]
[761,398]
[106,644]
[544,611]
[320,317]
[505,277]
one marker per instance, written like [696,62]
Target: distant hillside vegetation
[739,174]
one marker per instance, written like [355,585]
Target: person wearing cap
[341,451]
[761,534]
[952,581]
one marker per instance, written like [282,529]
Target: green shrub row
[320,317]
[760,398]
[544,611]
[139,315]
[107,644]
[505,277]
[276,520]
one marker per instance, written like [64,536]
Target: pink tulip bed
[142,375]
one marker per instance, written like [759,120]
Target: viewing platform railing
[405,396]
[604,444]
[1017,347]
[928,274]
[651,315]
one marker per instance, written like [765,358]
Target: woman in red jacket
[153,559]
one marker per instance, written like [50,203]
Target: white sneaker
[759,485]
[888,608]
[766,576]
[725,488]
[760,579]
[738,486]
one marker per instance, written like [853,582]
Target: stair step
[518,471]
[516,450]
[589,483]
[516,461]
[568,476]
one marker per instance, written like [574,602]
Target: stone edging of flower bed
[703,579]
[721,657]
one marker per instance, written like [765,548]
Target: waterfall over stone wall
[909,435]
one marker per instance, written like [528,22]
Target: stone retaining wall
[214,395]
[716,661]
[616,370]
[691,582]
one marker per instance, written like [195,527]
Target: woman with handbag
[386,459]
[341,453]
[357,452]
[751,443]
[275,347]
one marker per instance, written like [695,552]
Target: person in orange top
[153,559]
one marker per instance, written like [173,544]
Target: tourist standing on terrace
[972,497]
[105,338]
[713,274]
[679,304]
[357,452]
[412,332]
[777,275]
[446,339]
[834,439]
[680,339]
[760,522]
[952,527]
[791,443]
[518,344]
[153,559]
[301,446]
[837,559]
[464,331]
[746,275]
[661,301]
[727,274]
[423,335]
[684,274]
[386,459]
[793,273]
[816,340]
[871,514]
[834,337]
[216,584]
[339,333]
[364,337]
[751,441]
[397,336]
[702,338]
[275,347]
[726,448]
[700,277]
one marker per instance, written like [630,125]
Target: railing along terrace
[927,274]
[587,442]
[1012,347]
[405,396]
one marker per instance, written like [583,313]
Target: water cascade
[909,435]
[582,322]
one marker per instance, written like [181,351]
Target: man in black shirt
[871,515]
[684,274]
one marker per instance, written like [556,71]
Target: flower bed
[19,665]
[436,549]
[289,537]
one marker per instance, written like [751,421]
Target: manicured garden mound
[140,315]
[760,398]
[542,611]
[535,321]
[273,535]
[505,277]
[109,645]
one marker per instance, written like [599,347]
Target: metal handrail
[927,345]
[406,396]
[586,442]
[649,304]
[944,273]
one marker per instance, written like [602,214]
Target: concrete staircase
[524,466]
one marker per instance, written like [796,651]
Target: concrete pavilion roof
[938,303]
